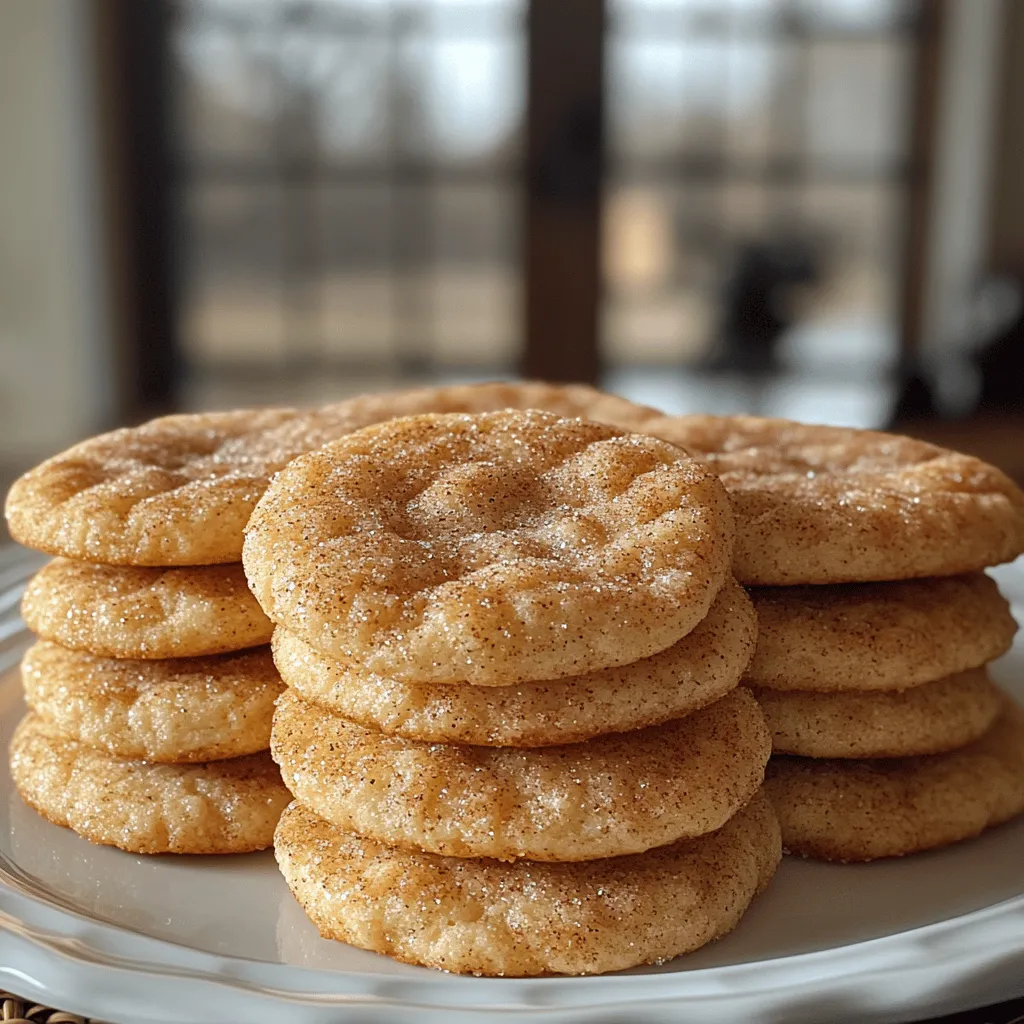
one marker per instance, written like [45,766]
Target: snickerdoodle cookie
[613,795]
[834,505]
[860,810]
[527,918]
[926,719]
[697,670]
[173,711]
[178,490]
[129,612]
[175,491]
[220,807]
[492,548]
[877,636]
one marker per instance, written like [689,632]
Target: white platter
[220,941]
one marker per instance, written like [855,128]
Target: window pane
[475,17]
[856,102]
[858,15]
[667,97]
[855,223]
[476,296]
[232,272]
[352,100]
[659,250]
[357,297]
[755,83]
[226,85]
[459,99]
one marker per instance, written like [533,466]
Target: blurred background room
[806,208]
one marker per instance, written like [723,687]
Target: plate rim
[38,941]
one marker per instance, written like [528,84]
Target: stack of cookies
[512,725]
[151,693]
[864,553]
[151,689]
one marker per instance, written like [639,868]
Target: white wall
[54,359]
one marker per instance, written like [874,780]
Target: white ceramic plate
[220,940]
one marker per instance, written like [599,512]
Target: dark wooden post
[563,180]
[915,399]
[132,58]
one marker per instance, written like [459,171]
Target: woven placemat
[14,1010]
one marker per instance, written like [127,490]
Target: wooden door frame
[132,88]
[563,186]
[924,114]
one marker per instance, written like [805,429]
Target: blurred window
[747,134]
[346,175]
[348,186]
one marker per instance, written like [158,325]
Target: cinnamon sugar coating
[528,918]
[178,490]
[175,491]
[926,719]
[179,710]
[861,810]
[834,505]
[491,549]
[705,665]
[222,807]
[877,636]
[613,795]
[135,612]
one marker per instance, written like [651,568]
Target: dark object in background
[916,399]
[1000,360]
[756,302]
[987,368]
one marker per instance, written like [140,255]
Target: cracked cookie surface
[694,672]
[612,795]
[135,612]
[177,710]
[178,490]
[817,504]
[221,807]
[860,810]
[491,549]
[528,918]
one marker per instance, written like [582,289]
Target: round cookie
[174,491]
[525,918]
[835,505]
[613,795]
[179,490]
[221,807]
[877,636]
[698,670]
[129,612]
[175,711]
[926,719]
[310,429]
[861,810]
[491,549]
